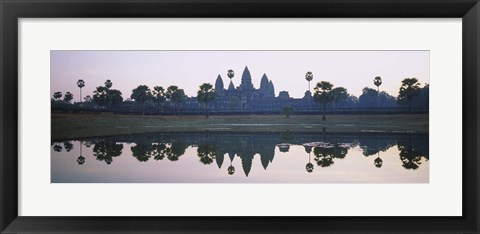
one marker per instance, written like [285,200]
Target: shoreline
[74,126]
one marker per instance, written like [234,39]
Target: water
[214,157]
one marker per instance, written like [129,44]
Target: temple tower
[219,90]
[246,80]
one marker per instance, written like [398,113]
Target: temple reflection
[322,150]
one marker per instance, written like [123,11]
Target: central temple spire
[246,80]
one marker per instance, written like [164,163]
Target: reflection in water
[81,159]
[105,150]
[328,149]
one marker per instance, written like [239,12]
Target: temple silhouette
[246,98]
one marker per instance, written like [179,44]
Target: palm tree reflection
[378,161]
[309,167]
[206,153]
[81,159]
[324,155]
[410,155]
[57,147]
[177,150]
[68,146]
[231,169]
[106,150]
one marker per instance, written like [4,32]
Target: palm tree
[141,94]
[108,84]
[57,95]
[409,89]
[230,74]
[338,94]
[100,96]
[309,77]
[377,82]
[114,96]
[68,97]
[205,95]
[175,95]
[159,95]
[322,94]
[80,84]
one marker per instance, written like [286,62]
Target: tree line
[411,94]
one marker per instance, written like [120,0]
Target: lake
[243,157]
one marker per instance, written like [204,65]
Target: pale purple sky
[353,70]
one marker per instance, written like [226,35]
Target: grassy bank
[70,126]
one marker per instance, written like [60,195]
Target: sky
[352,70]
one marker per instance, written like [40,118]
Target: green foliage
[339,94]
[100,96]
[108,84]
[205,94]
[177,150]
[106,150]
[142,151]
[206,153]
[57,95]
[81,83]
[309,76]
[324,156]
[159,94]
[175,95]
[88,99]
[114,96]
[230,73]
[409,89]
[68,97]
[377,81]
[323,94]
[410,157]
[141,94]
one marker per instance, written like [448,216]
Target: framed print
[268,116]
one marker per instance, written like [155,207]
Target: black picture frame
[11,11]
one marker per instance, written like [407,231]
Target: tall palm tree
[309,77]
[322,94]
[205,95]
[230,75]
[377,81]
[80,84]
